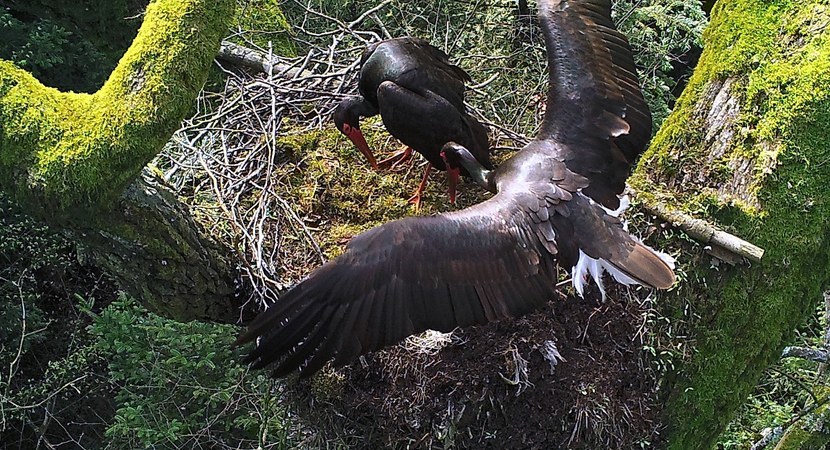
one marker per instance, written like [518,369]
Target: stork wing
[439,272]
[441,59]
[594,103]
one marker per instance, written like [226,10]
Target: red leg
[453,175]
[398,158]
[416,197]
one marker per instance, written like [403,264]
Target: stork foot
[415,200]
[416,197]
[397,159]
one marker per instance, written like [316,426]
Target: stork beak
[453,174]
[356,136]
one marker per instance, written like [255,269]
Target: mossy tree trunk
[747,148]
[75,159]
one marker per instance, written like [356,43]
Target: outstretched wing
[594,105]
[481,264]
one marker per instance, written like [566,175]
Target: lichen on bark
[747,148]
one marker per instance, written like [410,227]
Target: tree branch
[257,61]
[67,151]
[805,353]
[706,233]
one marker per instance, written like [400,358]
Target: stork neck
[485,178]
[359,107]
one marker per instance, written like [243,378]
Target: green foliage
[180,386]
[46,365]
[70,45]
[487,40]
[33,260]
[53,54]
[660,31]
[73,368]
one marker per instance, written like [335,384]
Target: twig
[799,383]
[706,233]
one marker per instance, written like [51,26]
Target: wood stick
[256,60]
[704,232]
[805,353]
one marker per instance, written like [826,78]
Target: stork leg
[416,197]
[453,175]
[398,158]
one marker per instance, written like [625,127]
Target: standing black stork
[420,97]
[495,259]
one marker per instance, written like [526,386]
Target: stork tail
[622,255]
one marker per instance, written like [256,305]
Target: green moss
[810,431]
[777,56]
[263,23]
[331,181]
[799,439]
[77,150]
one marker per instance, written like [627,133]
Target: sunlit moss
[328,178]
[72,150]
[263,22]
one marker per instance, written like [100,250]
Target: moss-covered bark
[75,150]
[69,158]
[747,147]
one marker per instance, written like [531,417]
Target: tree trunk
[746,148]
[155,250]
[69,159]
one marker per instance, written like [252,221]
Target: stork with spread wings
[498,258]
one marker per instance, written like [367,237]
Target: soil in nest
[492,386]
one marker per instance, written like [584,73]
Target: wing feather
[440,272]
[496,259]
[595,106]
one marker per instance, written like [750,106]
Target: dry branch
[706,233]
[256,60]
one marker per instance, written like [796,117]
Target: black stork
[495,259]
[420,97]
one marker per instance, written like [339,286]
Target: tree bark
[746,149]
[150,243]
[69,159]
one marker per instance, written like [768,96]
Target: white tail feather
[588,266]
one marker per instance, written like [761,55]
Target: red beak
[356,136]
[453,174]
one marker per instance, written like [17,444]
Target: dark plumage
[495,259]
[420,97]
